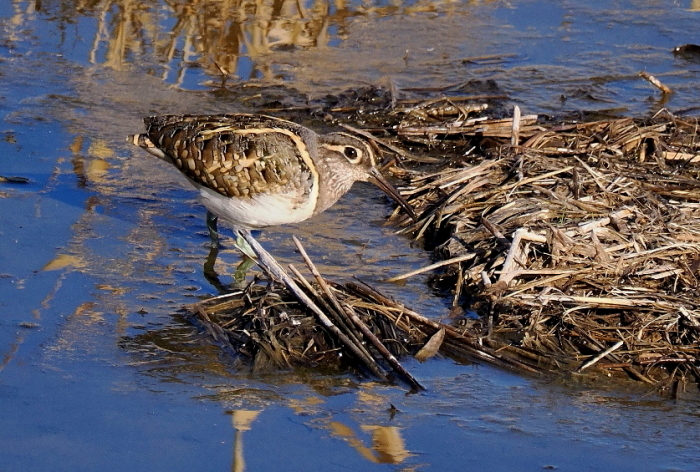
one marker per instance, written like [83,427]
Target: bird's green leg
[212,221]
[209,272]
[241,244]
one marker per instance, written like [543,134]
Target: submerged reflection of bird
[255,171]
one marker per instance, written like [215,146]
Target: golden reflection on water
[211,34]
[215,35]
[385,445]
[242,421]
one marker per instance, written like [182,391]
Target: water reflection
[368,425]
[226,39]
[126,243]
[242,420]
[385,445]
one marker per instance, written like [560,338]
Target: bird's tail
[143,141]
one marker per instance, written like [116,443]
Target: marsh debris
[340,326]
[265,327]
[581,242]
[576,243]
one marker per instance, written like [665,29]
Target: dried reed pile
[265,326]
[294,323]
[580,243]
[271,329]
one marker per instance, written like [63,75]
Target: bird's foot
[242,269]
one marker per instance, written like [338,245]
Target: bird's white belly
[260,211]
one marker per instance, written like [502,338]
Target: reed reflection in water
[387,444]
[222,39]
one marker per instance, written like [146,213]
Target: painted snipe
[255,171]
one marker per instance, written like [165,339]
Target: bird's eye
[350,152]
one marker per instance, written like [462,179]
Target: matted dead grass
[577,243]
[580,244]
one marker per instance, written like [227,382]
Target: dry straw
[578,244]
[581,243]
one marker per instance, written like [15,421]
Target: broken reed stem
[349,312]
[334,309]
[437,265]
[493,229]
[466,344]
[367,358]
[595,345]
[655,82]
[322,283]
[215,331]
[611,349]
[388,356]
[515,127]
[508,271]
[272,267]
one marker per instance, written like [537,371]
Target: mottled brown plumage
[236,156]
[256,171]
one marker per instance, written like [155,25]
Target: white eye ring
[352,154]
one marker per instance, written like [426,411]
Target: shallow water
[103,247]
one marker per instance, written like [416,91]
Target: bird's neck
[335,183]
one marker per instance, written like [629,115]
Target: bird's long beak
[380,181]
